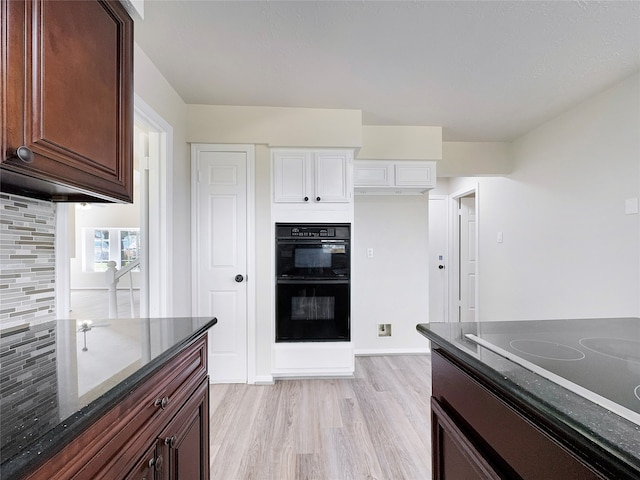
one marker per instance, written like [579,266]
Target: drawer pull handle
[171,441]
[162,402]
[158,464]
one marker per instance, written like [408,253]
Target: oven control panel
[335,231]
[313,232]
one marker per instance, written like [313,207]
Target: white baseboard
[391,351]
[263,380]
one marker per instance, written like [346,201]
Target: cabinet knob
[158,464]
[317,199]
[306,199]
[162,402]
[25,154]
[171,441]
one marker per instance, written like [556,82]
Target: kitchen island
[552,399]
[117,398]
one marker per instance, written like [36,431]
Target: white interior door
[221,257]
[438,259]
[468,257]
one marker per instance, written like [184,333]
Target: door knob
[239,278]
[441,267]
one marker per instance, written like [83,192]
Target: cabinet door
[292,177]
[68,99]
[185,442]
[373,174]
[146,467]
[332,174]
[415,174]
[453,453]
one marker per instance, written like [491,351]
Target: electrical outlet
[384,329]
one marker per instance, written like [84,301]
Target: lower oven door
[312,311]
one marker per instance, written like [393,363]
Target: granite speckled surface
[585,421]
[57,377]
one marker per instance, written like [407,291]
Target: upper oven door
[302,259]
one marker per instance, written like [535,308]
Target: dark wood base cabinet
[479,434]
[160,431]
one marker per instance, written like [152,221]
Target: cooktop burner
[623,349]
[596,358]
[548,350]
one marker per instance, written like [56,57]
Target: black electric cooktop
[596,358]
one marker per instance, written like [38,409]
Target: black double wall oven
[313,264]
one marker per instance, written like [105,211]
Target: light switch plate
[631,206]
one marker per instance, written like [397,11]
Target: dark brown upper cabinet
[66,93]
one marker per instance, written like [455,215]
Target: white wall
[153,88]
[392,142]
[275,126]
[569,249]
[265,303]
[391,287]
[475,158]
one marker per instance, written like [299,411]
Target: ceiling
[483,70]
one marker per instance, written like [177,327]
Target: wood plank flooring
[373,426]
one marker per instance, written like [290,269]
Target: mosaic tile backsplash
[29,385]
[27,260]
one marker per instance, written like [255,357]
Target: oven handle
[314,281]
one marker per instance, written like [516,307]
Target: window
[105,244]
[100,250]
[129,246]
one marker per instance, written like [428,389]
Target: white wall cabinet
[394,178]
[312,176]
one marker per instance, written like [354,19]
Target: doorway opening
[90,235]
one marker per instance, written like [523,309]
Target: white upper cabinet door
[379,174]
[312,176]
[292,181]
[333,177]
[415,174]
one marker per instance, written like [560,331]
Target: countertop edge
[68,429]
[574,430]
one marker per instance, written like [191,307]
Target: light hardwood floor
[373,426]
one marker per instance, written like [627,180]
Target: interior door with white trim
[221,257]
[468,254]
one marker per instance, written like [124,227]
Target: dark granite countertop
[583,419]
[57,377]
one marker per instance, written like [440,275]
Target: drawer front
[116,441]
[509,439]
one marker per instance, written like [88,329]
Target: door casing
[454,276]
